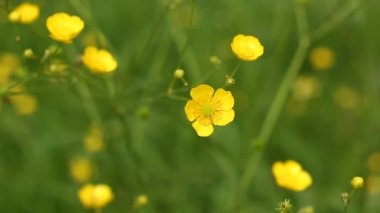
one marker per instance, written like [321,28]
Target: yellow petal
[203,91]
[222,100]
[222,118]
[192,110]
[202,130]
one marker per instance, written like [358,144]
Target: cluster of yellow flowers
[209,107]
[64,28]
[23,102]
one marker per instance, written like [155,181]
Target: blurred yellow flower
[24,104]
[64,27]
[373,184]
[290,175]
[305,88]
[81,169]
[247,48]
[95,196]
[141,200]
[321,58]
[94,140]
[25,13]
[306,209]
[208,108]
[374,162]
[357,182]
[9,63]
[346,98]
[98,60]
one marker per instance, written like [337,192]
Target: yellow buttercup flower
[9,63]
[305,88]
[141,200]
[208,108]
[94,140]
[346,98]
[373,184]
[81,169]
[95,196]
[357,182]
[290,175]
[247,48]
[322,58]
[98,60]
[24,104]
[374,162]
[64,27]
[25,13]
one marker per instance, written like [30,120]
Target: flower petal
[202,130]
[202,91]
[222,118]
[222,100]
[192,110]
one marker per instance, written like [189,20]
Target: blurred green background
[151,148]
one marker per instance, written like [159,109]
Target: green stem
[348,200]
[259,144]
[88,102]
[335,20]
[235,70]
[152,33]
[183,51]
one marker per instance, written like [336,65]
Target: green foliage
[151,147]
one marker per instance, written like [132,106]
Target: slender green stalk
[336,20]
[259,144]
[88,102]
[183,51]
[235,70]
[347,200]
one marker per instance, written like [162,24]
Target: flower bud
[179,73]
[357,182]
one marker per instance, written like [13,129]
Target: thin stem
[183,51]
[348,200]
[271,118]
[152,32]
[88,102]
[235,70]
[335,20]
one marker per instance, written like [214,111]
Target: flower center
[207,110]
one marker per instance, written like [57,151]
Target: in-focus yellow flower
[81,169]
[322,58]
[247,48]
[98,60]
[94,140]
[95,196]
[208,108]
[357,182]
[64,27]
[24,104]
[25,13]
[290,175]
